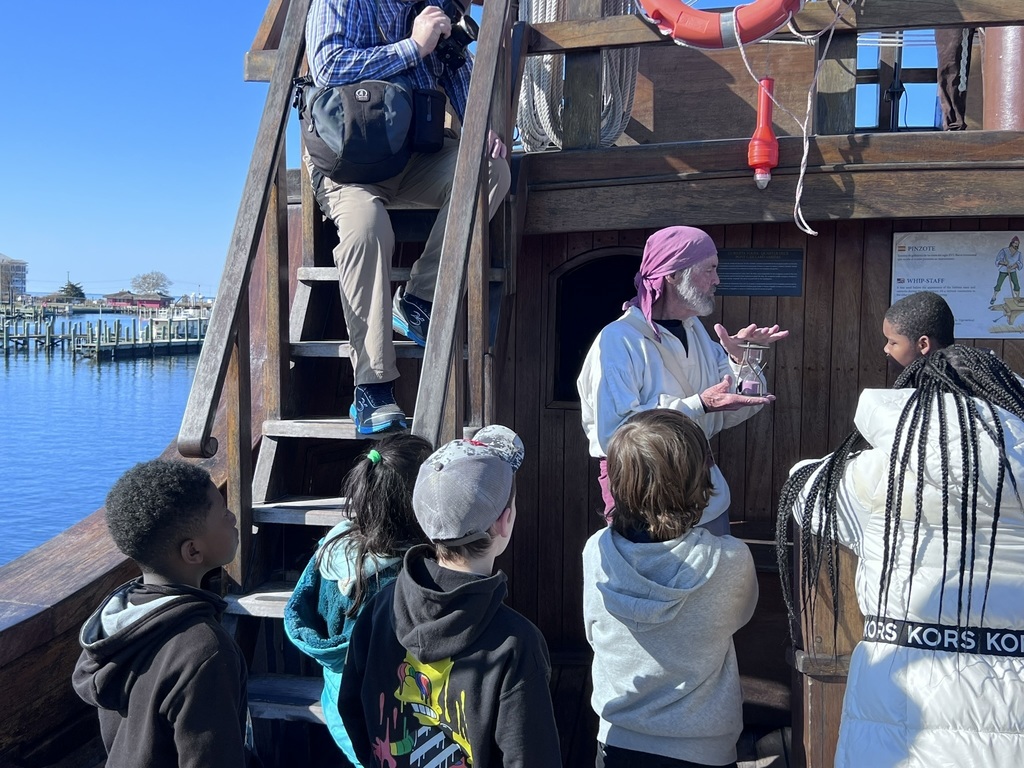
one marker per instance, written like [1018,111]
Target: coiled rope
[541,103]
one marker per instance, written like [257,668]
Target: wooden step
[265,602]
[301,510]
[343,350]
[286,697]
[327,428]
[398,275]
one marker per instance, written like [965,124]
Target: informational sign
[979,274]
[760,271]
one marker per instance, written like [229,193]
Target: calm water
[70,427]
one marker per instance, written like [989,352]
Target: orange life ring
[706,29]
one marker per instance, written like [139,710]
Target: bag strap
[376,21]
[414,12]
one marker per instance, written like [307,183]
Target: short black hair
[154,506]
[923,314]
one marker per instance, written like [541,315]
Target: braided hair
[378,490]
[975,382]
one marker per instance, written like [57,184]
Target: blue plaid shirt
[343,44]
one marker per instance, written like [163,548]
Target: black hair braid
[965,472]
[922,447]
[971,444]
[822,490]
[782,559]
[963,424]
[996,506]
[894,489]
[943,441]
[964,376]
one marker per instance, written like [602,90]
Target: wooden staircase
[284,479]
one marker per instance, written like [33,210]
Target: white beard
[701,303]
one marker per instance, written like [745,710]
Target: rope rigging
[541,104]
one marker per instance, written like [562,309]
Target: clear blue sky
[125,136]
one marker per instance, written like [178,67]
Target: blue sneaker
[375,409]
[410,316]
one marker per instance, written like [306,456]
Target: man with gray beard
[659,355]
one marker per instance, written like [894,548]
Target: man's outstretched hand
[722,397]
[733,344]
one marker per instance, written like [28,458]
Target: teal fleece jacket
[315,620]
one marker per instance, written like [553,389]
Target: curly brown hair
[659,470]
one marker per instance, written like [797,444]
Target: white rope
[541,104]
[965,50]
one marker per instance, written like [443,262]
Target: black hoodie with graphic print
[441,672]
[168,680]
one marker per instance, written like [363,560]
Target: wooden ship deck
[273,378]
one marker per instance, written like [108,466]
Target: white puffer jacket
[918,706]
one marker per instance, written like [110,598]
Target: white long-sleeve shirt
[627,370]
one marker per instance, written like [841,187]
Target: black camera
[452,49]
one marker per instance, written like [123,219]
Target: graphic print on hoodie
[440,672]
[441,740]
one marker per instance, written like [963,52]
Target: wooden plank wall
[834,351]
[675,85]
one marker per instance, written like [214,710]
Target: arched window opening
[586,294]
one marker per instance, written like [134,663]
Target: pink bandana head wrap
[667,251]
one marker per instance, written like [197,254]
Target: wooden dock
[120,338]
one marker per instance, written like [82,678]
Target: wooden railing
[226,346]
[224,364]
[440,400]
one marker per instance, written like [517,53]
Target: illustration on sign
[977,273]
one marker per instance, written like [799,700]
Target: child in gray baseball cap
[472,673]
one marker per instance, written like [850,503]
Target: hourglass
[748,378]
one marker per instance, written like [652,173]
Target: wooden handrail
[451,278]
[194,437]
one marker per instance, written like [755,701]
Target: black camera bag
[358,133]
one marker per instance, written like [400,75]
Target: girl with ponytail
[355,560]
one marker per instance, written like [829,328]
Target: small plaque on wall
[760,271]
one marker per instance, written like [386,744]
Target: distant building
[153,300]
[120,300]
[13,275]
[129,300]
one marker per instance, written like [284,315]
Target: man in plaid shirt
[353,40]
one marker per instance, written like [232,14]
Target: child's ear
[191,553]
[503,525]
[924,345]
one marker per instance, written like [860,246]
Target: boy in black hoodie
[439,671]
[168,680]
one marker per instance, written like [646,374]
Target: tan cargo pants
[367,242]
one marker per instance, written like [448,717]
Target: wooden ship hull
[265,412]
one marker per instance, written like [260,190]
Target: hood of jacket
[315,616]
[878,412]
[650,583]
[118,638]
[340,564]
[434,624]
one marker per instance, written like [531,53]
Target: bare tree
[151,282]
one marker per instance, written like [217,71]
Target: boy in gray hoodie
[661,601]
